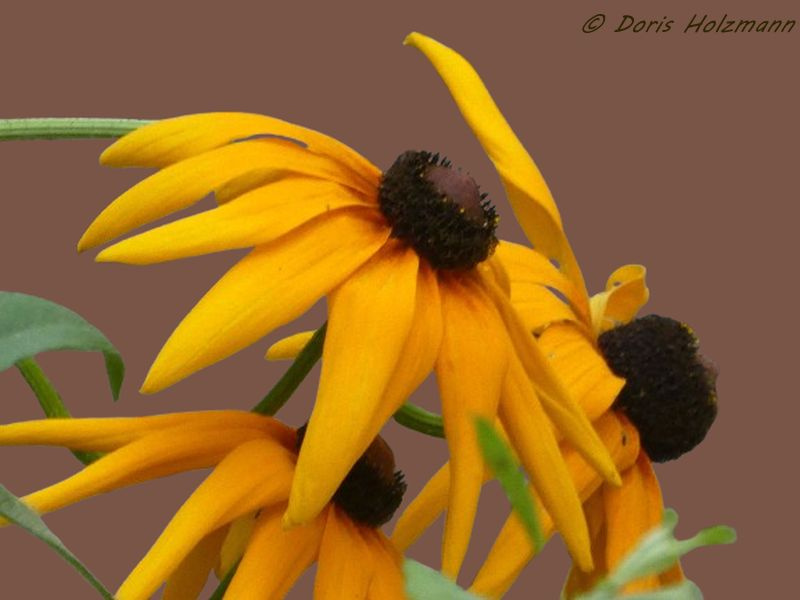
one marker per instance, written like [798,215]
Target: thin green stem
[55,128]
[302,365]
[50,400]
[219,593]
[419,419]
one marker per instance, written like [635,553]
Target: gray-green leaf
[423,583]
[30,325]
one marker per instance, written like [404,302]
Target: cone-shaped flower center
[372,490]
[438,210]
[670,392]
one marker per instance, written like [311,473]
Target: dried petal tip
[670,390]
[372,490]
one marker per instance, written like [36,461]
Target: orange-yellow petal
[236,540]
[271,286]
[471,368]
[254,218]
[526,189]
[189,579]
[626,292]
[289,347]
[423,510]
[369,317]
[275,557]
[387,582]
[346,560]
[578,580]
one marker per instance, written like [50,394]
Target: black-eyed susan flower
[404,258]
[235,514]
[663,409]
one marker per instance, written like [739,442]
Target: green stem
[302,365]
[50,400]
[53,128]
[419,419]
[219,593]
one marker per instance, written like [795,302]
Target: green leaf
[501,461]
[423,583]
[30,325]
[13,509]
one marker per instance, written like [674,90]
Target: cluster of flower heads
[415,281]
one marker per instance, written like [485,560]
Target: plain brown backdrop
[674,150]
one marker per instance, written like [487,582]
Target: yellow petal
[423,510]
[580,581]
[526,189]
[582,369]
[470,370]
[257,217]
[171,140]
[369,317]
[181,185]
[532,437]
[526,268]
[556,399]
[626,292]
[345,564]
[236,540]
[256,474]
[387,582]
[275,557]
[289,347]
[157,455]
[271,286]
[109,434]
[540,307]
[189,579]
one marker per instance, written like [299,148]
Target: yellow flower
[236,512]
[405,260]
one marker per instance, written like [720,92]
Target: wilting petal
[104,435]
[183,184]
[470,370]
[256,474]
[275,557]
[171,140]
[190,577]
[423,510]
[345,564]
[271,286]
[289,347]
[526,189]
[556,399]
[626,292]
[157,455]
[388,582]
[369,317]
[257,217]
[582,369]
[531,435]
[236,541]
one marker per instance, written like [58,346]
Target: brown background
[676,151]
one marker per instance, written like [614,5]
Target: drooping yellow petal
[256,474]
[106,434]
[540,308]
[275,557]
[289,347]
[470,370]
[626,292]
[579,581]
[369,317]
[346,560]
[531,435]
[556,399]
[271,286]
[171,140]
[579,365]
[156,455]
[190,577]
[526,189]
[387,582]
[183,184]
[423,510]
[236,540]
[257,217]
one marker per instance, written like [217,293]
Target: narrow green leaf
[30,325]
[55,128]
[501,461]
[13,509]
[423,583]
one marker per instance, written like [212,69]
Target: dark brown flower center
[670,390]
[372,490]
[438,210]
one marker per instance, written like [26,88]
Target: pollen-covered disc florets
[438,210]
[670,392]
[372,490]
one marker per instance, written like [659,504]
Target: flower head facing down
[236,513]
[404,259]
